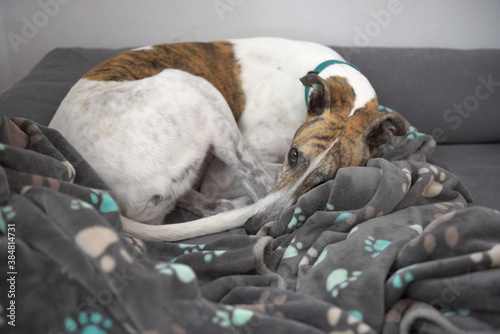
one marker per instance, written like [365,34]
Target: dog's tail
[192,229]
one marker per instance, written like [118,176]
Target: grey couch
[372,251]
[453,95]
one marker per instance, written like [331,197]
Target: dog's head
[343,128]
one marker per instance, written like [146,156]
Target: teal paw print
[184,273]
[297,219]
[189,248]
[375,246]
[103,201]
[222,318]
[447,312]
[343,216]
[385,110]
[85,324]
[209,255]
[321,257]
[6,213]
[413,133]
[293,249]
[400,278]
[77,204]
[232,316]
[340,279]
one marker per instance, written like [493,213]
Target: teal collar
[321,67]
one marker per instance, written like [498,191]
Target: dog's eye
[293,155]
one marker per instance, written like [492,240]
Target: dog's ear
[380,130]
[317,98]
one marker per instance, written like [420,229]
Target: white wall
[31,28]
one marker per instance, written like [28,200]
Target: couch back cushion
[454,95]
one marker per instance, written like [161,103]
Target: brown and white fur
[146,119]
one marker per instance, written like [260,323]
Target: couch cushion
[38,95]
[453,95]
[477,165]
[428,86]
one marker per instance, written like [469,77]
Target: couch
[376,259]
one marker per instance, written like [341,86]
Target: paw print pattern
[103,201]
[192,249]
[95,241]
[100,200]
[375,246]
[209,255]
[321,257]
[348,217]
[184,273]
[464,312]
[413,133]
[434,186]
[293,249]
[406,186]
[297,220]
[188,248]
[311,255]
[402,277]
[222,319]
[77,204]
[231,316]
[340,279]
[6,213]
[353,321]
[96,323]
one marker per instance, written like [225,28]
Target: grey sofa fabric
[38,95]
[477,165]
[453,95]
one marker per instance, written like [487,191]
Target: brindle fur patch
[214,61]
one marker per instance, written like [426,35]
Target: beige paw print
[95,240]
[434,187]
[406,186]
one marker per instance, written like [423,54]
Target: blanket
[391,247]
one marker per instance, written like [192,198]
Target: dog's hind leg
[230,147]
[238,156]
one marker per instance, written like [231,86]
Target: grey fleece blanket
[391,247]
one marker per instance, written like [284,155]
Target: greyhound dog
[146,119]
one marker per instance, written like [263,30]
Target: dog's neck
[363,90]
[320,68]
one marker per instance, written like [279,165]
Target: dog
[146,120]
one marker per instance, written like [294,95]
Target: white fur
[148,47]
